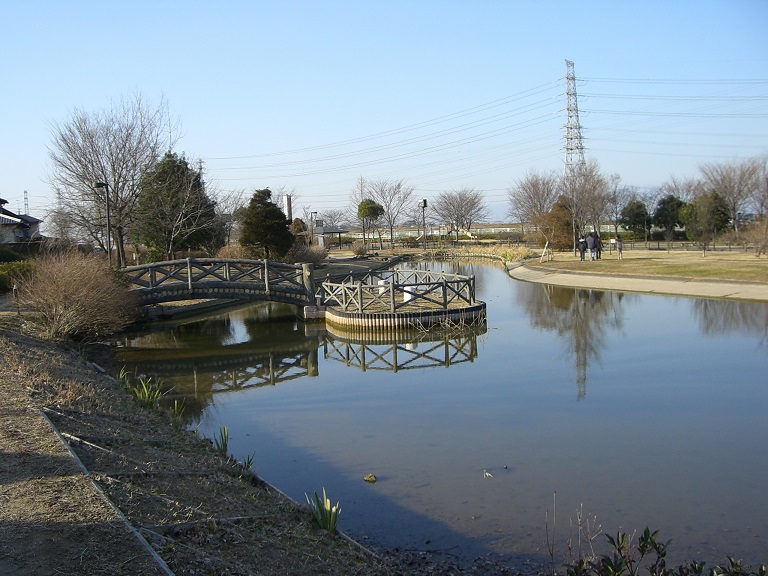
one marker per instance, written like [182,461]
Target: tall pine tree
[264,231]
[173,211]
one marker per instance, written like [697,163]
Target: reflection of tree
[724,316]
[580,317]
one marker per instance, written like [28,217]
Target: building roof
[329,230]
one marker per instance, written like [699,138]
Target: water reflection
[262,345]
[724,317]
[582,319]
[645,446]
[410,351]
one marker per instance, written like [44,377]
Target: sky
[308,96]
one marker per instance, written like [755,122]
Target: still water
[630,410]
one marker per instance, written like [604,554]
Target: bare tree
[115,147]
[533,196]
[356,196]
[617,198]
[334,218]
[735,183]
[279,196]
[585,188]
[686,189]
[461,208]
[227,204]
[394,196]
[759,197]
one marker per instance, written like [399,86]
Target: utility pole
[574,145]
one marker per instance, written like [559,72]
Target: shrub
[359,248]
[303,253]
[76,296]
[7,255]
[11,273]
[232,251]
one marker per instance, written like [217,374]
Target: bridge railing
[400,290]
[195,270]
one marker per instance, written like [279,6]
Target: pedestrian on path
[591,244]
[582,247]
[619,246]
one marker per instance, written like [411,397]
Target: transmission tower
[574,145]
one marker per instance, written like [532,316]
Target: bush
[77,296]
[303,253]
[359,248]
[7,255]
[232,251]
[11,273]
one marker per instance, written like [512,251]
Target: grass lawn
[718,265]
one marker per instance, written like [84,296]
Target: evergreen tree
[265,231]
[369,212]
[173,211]
[635,217]
[667,215]
[705,217]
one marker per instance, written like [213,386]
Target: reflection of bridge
[227,368]
[421,350]
[222,278]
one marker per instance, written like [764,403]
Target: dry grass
[76,296]
[721,265]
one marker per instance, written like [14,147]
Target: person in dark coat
[591,244]
[582,247]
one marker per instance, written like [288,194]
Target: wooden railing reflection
[404,352]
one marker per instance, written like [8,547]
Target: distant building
[17,227]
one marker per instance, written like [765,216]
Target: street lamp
[109,223]
[312,216]
[423,205]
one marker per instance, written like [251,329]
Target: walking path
[647,284]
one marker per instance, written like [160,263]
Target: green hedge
[10,272]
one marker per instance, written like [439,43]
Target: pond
[623,410]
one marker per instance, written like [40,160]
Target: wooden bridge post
[266,276]
[359,296]
[445,294]
[308,277]
[189,274]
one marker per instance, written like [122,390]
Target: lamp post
[423,205]
[109,223]
[312,216]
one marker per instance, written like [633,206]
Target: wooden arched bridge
[222,278]
[383,300]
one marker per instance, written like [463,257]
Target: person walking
[582,247]
[619,246]
[591,245]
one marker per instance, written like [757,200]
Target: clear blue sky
[444,94]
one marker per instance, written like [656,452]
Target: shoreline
[654,285]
